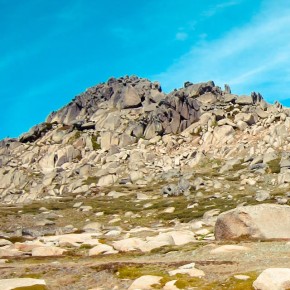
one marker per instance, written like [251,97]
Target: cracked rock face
[154,110]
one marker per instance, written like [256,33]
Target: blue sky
[53,50]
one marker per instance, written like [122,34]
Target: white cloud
[216,8]
[181,36]
[253,57]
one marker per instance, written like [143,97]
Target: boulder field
[128,187]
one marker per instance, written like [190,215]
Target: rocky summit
[128,187]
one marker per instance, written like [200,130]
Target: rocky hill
[125,167]
[127,131]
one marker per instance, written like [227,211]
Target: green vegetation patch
[96,145]
[274,166]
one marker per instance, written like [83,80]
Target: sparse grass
[96,145]
[135,271]
[184,248]
[138,270]
[75,137]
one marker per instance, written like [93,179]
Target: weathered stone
[131,98]
[273,279]
[170,190]
[248,118]
[47,251]
[188,269]
[22,283]
[92,227]
[229,249]
[207,98]
[264,221]
[244,100]
[261,113]
[262,195]
[145,282]
[229,98]
[101,249]
[107,180]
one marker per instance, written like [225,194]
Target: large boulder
[258,222]
[273,279]
[131,98]
[244,100]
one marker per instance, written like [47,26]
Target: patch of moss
[36,287]
[75,137]
[274,166]
[95,143]
[183,248]
[91,179]
[86,247]
[136,271]
[187,282]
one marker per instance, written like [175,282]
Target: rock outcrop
[127,131]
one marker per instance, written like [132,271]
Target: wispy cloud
[218,7]
[181,36]
[247,57]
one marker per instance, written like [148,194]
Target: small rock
[229,249]
[262,195]
[145,282]
[85,208]
[170,209]
[115,194]
[101,249]
[242,277]
[142,196]
[47,251]
[78,204]
[170,190]
[92,227]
